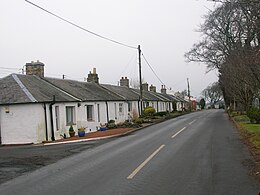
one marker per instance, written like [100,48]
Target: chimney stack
[145,86]
[163,89]
[124,82]
[93,77]
[152,88]
[35,68]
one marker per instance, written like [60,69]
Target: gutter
[51,117]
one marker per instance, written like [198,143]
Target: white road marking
[144,163]
[178,132]
[192,122]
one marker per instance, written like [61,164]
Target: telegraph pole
[140,80]
[189,92]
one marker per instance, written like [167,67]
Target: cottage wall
[22,124]
[179,106]
[116,113]
[99,116]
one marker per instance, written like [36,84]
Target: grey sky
[165,29]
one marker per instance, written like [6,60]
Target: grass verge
[251,135]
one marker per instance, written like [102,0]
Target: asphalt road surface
[199,153]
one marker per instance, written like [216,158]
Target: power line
[128,65]
[84,29]
[9,68]
[152,69]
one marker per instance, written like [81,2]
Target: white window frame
[98,112]
[121,108]
[130,106]
[70,120]
[90,113]
[115,110]
[57,117]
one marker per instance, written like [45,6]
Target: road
[199,153]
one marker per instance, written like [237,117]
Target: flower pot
[81,133]
[103,128]
[72,134]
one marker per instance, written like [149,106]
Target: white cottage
[27,113]
[34,108]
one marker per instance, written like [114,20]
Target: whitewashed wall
[23,124]
[114,114]
[93,125]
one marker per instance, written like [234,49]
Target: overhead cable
[84,29]
[152,69]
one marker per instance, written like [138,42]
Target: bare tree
[231,36]
[213,93]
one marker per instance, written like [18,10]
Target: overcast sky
[165,29]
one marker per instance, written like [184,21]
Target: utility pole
[189,92]
[140,79]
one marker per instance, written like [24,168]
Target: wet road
[199,153]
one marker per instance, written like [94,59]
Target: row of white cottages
[34,108]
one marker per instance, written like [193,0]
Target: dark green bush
[254,115]
[128,124]
[111,121]
[139,121]
[111,126]
[161,113]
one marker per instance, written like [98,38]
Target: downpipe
[46,124]
[51,117]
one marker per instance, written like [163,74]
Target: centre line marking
[178,132]
[192,122]
[145,162]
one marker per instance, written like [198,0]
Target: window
[120,108]
[129,106]
[98,114]
[115,111]
[70,115]
[90,113]
[57,117]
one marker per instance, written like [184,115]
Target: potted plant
[81,132]
[71,131]
[102,127]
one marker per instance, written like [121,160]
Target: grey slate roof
[149,96]
[84,90]
[17,88]
[133,94]
[167,97]
[123,91]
